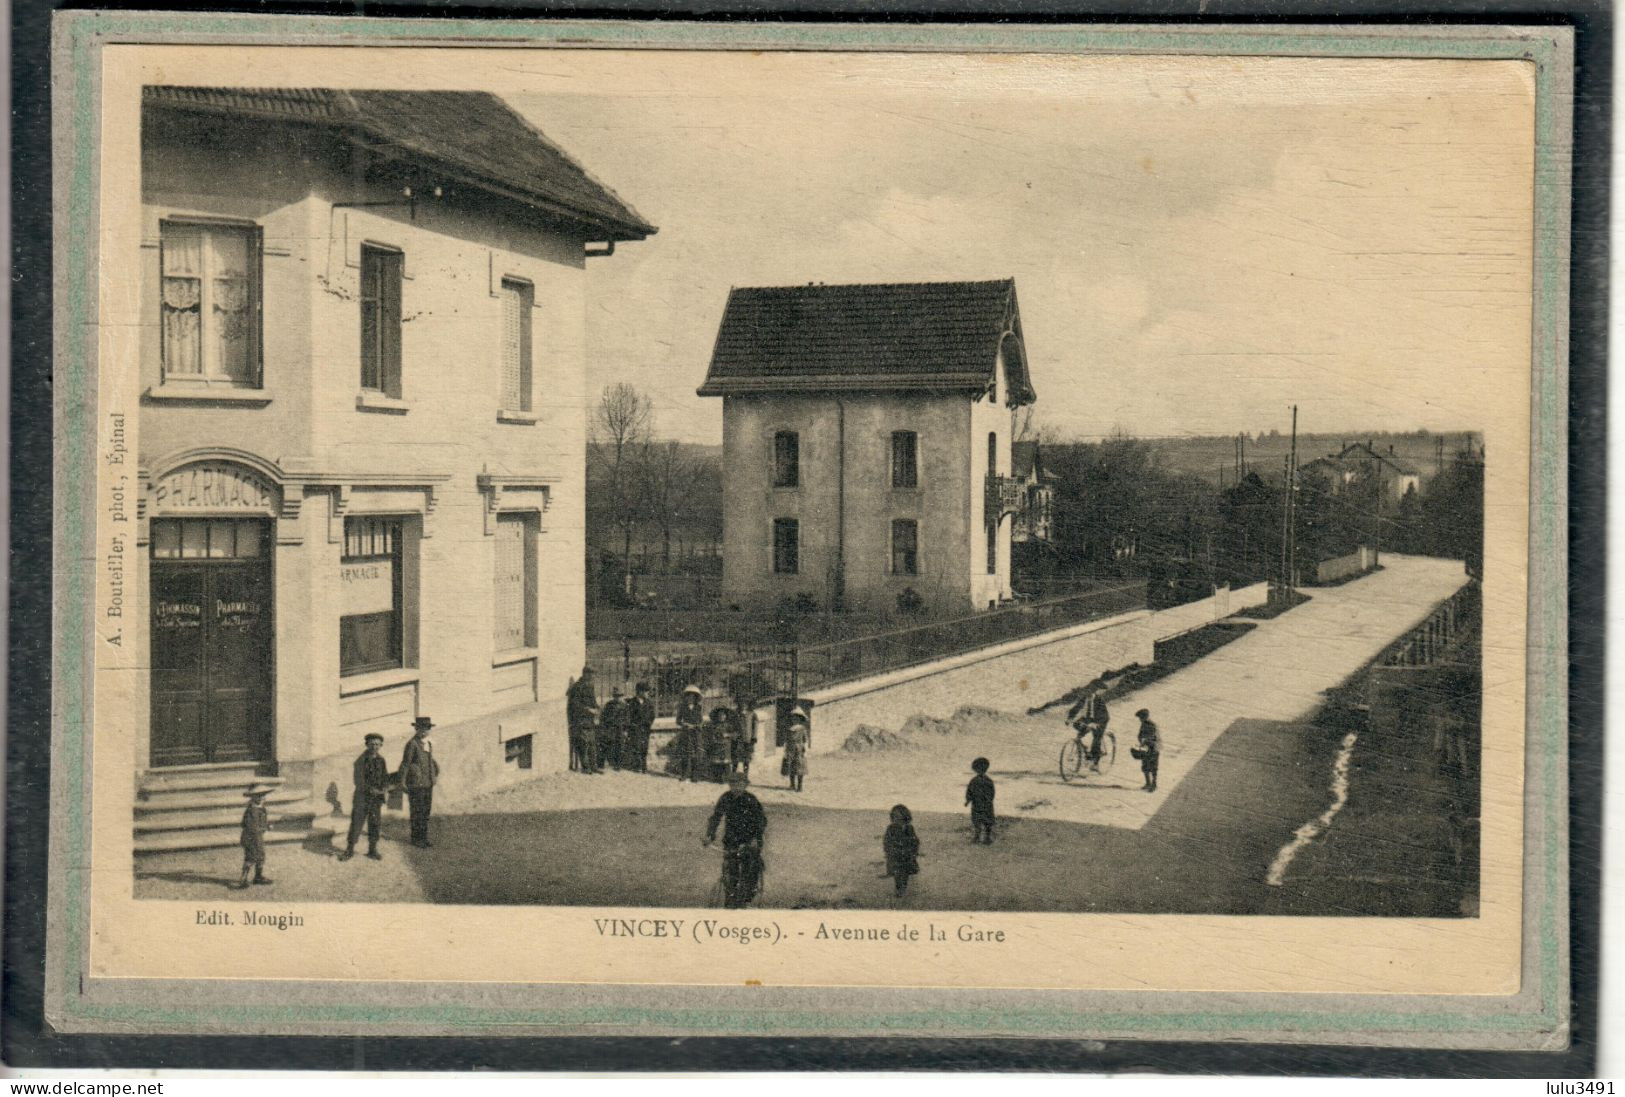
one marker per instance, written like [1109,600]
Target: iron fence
[751,674]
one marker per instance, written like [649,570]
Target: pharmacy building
[361,441]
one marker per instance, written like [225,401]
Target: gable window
[518,297]
[786,546]
[381,270]
[370,596]
[210,302]
[905,459]
[786,459]
[905,550]
[515,582]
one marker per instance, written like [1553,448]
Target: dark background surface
[28,1042]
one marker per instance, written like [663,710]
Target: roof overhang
[906,382]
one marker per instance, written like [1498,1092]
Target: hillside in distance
[1214,457]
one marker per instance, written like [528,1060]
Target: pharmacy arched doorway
[212,641]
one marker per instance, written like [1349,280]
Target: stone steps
[201,807]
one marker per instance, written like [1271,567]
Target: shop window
[905,459]
[515,582]
[518,297]
[210,302]
[381,270]
[905,547]
[786,459]
[371,619]
[786,546]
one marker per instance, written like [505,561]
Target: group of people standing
[616,734]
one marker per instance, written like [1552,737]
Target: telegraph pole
[1292,505]
[1286,516]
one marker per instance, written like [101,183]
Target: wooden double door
[213,670]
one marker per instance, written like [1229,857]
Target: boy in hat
[1149,750]
[417,774]
[256,821]
[367,805]
[979,795]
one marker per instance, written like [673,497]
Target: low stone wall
[1360,560]
[471,754]
[1014,677]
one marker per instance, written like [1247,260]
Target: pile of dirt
[866,738]
[967,720]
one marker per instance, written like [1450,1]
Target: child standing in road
[902,848]
[1149,751]
[256,821]
[979,795]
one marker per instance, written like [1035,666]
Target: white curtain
[182,295]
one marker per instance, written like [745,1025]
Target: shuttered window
[381,271]
[514,583]
[517,300]
[905,547]
[905,466]
[786,546]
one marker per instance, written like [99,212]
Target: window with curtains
[786,459]
[905,459]
[370,618]
[210,302]
[518,297]
[381,270]
[515,582]
[905,547]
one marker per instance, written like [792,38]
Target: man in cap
[1090,716]
[744,825]
[417,774]
[256,821]
[581,713]
[367,805]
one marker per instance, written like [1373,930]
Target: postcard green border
[1535,1018]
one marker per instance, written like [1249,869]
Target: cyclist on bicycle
[744,824]
[1091,716]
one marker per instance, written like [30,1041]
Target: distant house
[866,444]
[1362,461]
[1035,521]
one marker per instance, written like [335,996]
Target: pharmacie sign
[214,487]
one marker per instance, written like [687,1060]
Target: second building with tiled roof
[866,445]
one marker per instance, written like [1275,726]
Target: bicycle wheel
[1071,759]
[1108,751]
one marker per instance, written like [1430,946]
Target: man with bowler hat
[417,774]
[367,805]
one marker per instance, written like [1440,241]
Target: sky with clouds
[1197,243]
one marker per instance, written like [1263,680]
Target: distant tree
[617,434]
[669,485]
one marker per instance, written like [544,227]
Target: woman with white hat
[796,740]
[690,741]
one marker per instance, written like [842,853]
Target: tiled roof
[474,135]
[1024,456]
[921,336]
[1363,451]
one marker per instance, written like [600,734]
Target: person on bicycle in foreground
[744,824]
[1091,715]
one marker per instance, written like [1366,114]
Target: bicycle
[740,860]
[1074,754]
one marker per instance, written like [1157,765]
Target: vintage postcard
[633,528]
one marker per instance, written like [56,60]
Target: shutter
[513,348]
[256,287]
[509,583]
[390,322]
